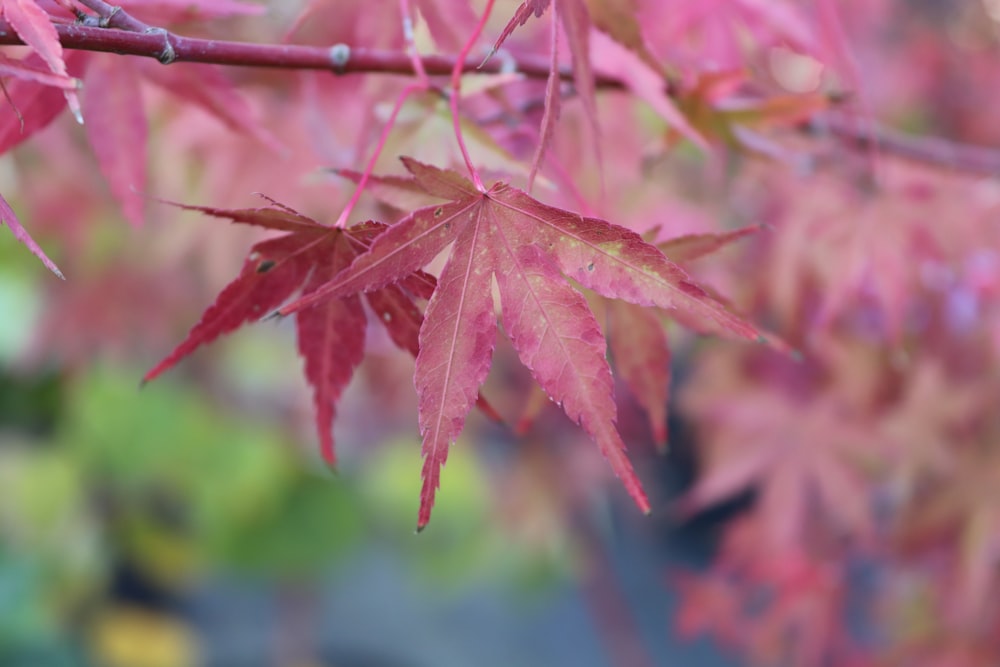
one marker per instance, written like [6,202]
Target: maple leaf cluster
[504,234]
[753,198]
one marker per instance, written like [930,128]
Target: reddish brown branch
[159,44]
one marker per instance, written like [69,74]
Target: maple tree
[584,175]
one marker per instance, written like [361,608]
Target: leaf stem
[552,101]
[423,83]
[363,181]
[456,90]
[411,47]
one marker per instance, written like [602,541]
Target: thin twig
[115,17]
[937,151]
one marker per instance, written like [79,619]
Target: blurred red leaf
[209,88]
[34,106]
[117,130]
[34,25]
[9,218]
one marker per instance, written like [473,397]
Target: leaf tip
[489,56]
[488,410]
[152,374]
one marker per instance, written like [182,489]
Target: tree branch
[151,43]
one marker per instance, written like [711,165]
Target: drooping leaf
[34,25]
[117,130]
[9,218]
[34,105]
[331,339]
[531,249]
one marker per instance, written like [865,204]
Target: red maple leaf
[34,25]
[117,129]
[531,249]
[331,335]
[34,105]
[7,217]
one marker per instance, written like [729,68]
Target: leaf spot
[439,211]
[265,266]
[590,267]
